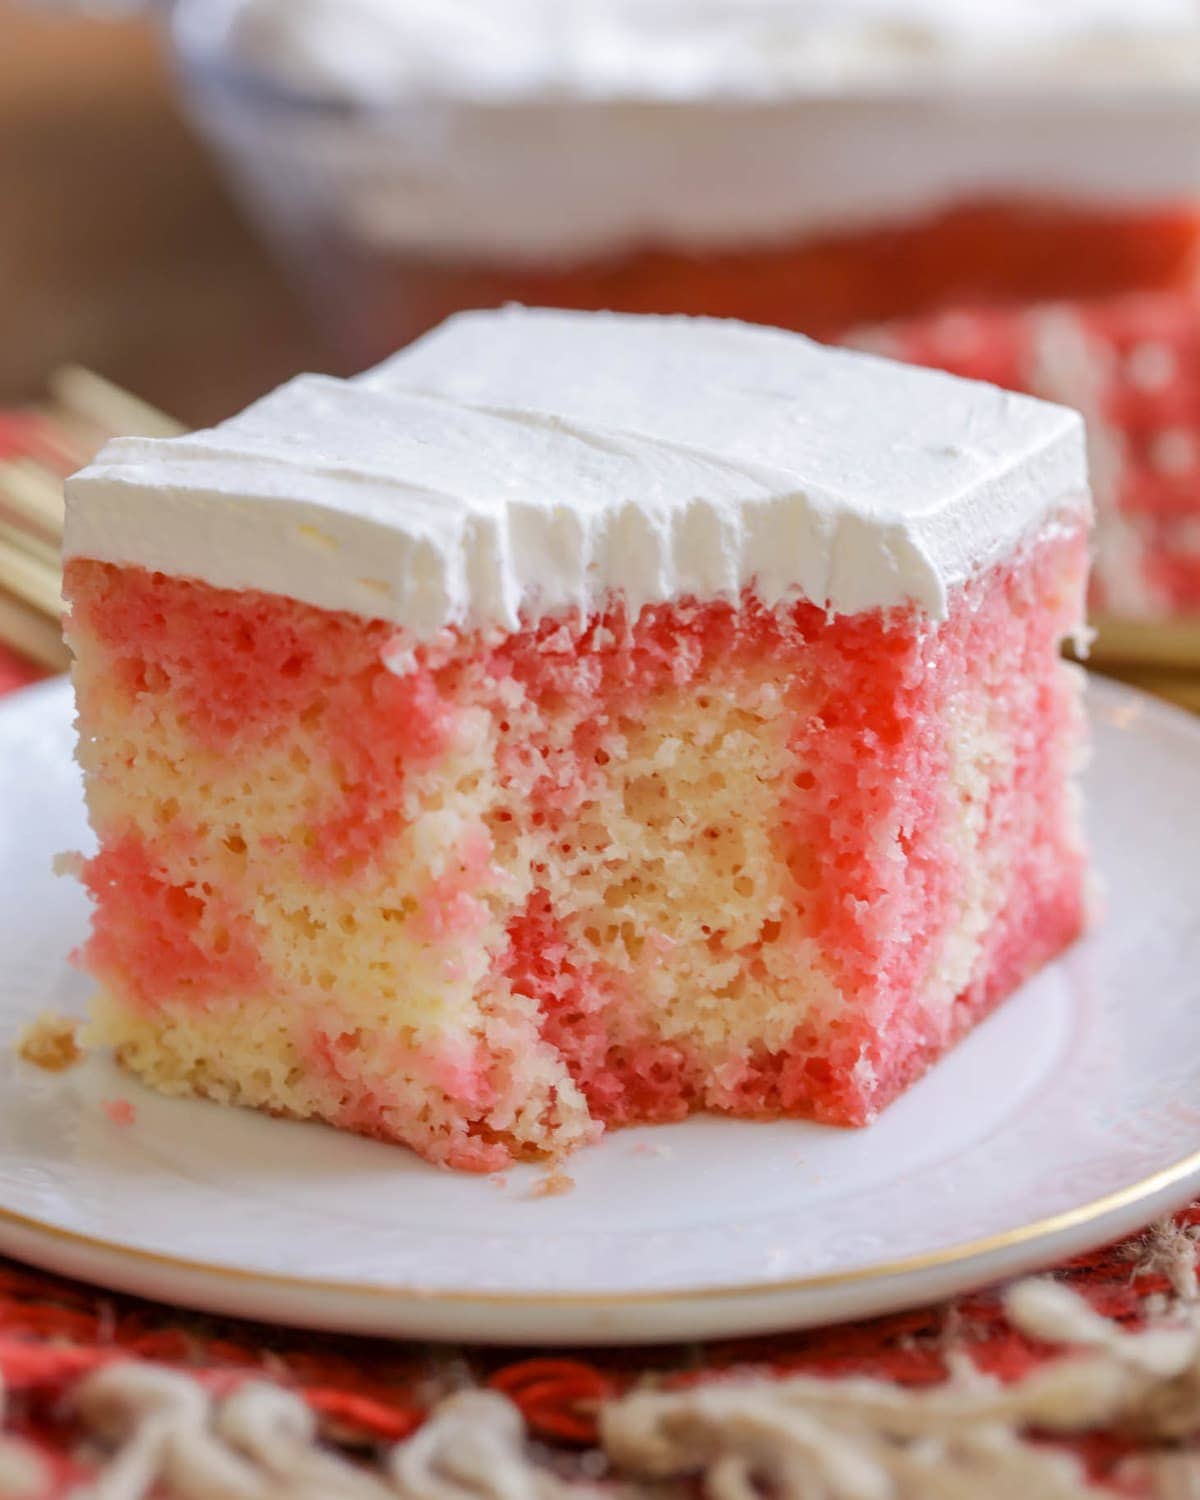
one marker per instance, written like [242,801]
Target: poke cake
[794,162]
[1131,366]
[578,720]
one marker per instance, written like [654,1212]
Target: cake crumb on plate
[120,1111]
[552,1184]
[51,1042]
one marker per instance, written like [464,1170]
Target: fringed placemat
[1049,1388]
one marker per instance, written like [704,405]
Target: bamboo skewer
[31,575]
[31,496]
[83,393]
[32,634]
[40,548]
[86,410]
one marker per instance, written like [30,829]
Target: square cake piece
[578,720]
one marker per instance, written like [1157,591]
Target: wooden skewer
[107,407]
[29,574]
[31,496]
[32,634]
[84,412]
[68,441]
[37,547]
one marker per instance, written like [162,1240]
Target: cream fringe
[805,1438]
[22,1472]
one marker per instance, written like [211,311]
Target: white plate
[1069,1118]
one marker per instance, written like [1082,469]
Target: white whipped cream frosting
[537,131]
[522,462]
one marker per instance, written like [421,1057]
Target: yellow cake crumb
[552,1184]
[51,1042]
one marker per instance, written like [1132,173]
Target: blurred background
[203,197]
[119,246]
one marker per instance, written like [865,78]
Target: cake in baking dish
[578,720]
[1130,365]
[813,164]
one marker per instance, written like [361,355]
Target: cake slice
[1131,366]
[578,720]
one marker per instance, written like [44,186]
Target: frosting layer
[521,462]
[540,130]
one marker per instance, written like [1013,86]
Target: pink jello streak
[862,829]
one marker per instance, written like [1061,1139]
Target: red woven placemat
[367,1393]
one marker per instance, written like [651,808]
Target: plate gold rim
[967,1250]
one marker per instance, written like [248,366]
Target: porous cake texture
[487,885]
